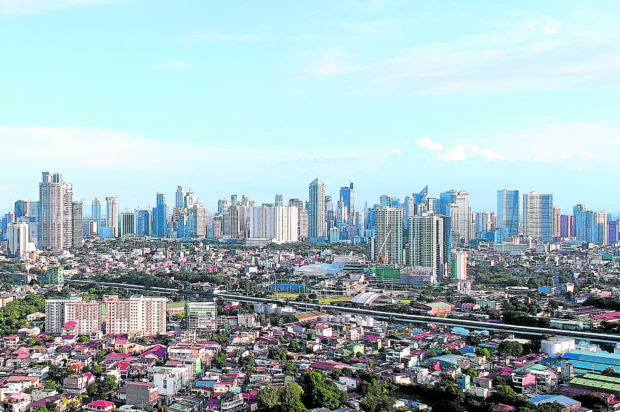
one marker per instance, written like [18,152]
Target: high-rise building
[583,221]
[538,216]
[180,197]
[279,200]
[201,316]
[197,221]
[136,315]
[143,222]
[348,199]
[508,213]
[76,216]
[459,265]
[612,230]
[389,234]
[112,214]
[427,241]
[557,222]
[86,316]
[18,238]
[128,224]
[160,216]
[55,206]
[566,226]
[55,275]
[22,208]
[302,218]
[455,204]
[96,212]
[600,234]
[317,224]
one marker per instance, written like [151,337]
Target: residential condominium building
[427,242]
[317,211]
[60,312]
[508,212]
[538,216]
[388,247]
[55,228]
[136,315]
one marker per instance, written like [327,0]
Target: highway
[389,316]
[464,323]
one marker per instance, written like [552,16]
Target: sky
[128,98]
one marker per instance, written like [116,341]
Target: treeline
[13,316]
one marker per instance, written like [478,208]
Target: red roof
[101,404]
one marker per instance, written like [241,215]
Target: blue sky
[131,97]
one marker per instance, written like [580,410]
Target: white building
[136,315]
[18,237]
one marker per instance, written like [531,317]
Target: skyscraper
[538,216]
[76,216]
[508,212]
[600,233]
[347,197]
[143,222]
[427,241]
[180,197]
[455,204]
[160,216]
[112,214]
[317,225]
[55,220]
[279,200]
[128,224]
[389,234]
[583,221]
[22,209]
[96,211]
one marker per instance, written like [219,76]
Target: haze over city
[128,98]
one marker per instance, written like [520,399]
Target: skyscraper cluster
[419,231]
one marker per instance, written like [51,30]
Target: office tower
[233,200]
[348,199]
[385,200]
[201,316]
[538,216]
[55,221]
[583,221]
[317,224]
[557,222]
[508,213]
[160,216]
[218,226]
[189,200]
[128,224]
[455,204]
[279,200]
[22,208]
[612,232]
[566,226]
[485,222]
[302,218]
[18,239]
[198,221]
[600,235]
[143,222]
[389,234]
[180,197]
[237,222]
[8,218]
[96,211]
[112,214]
[427,241]
[222,205]
[459,266]
[76,215]
[33,220]
[136,315]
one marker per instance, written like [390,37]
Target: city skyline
[388,94]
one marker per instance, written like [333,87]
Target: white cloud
[328,63]
[428,144]
[535,54]
[396,152]
[177,65]
[13,7]
[468,151]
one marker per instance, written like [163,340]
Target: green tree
[83,339]
[510,348]
[49,384]
[97,370]
[611,371]
[290,368]
[290,398]
[220,361]
[378,403]
[268,398]
[247,363]
[294,346]
[483,352]
[321,392]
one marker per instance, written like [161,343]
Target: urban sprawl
[416,304]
